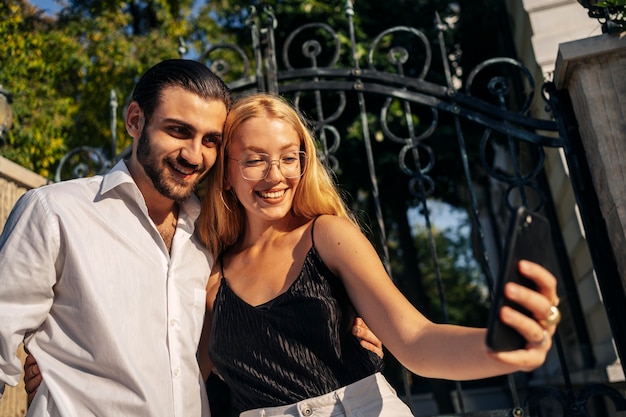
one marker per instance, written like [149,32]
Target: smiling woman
[293,269]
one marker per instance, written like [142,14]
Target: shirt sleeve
[29,250]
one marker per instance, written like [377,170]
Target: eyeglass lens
[257,166]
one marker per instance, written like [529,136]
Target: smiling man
[103,278]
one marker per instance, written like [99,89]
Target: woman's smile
[271,194]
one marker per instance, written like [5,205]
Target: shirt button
[307,411]
[176,372]
[173,322]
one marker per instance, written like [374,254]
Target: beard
[155,168]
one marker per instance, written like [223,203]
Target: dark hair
[191,75]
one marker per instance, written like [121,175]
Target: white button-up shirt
[112,318]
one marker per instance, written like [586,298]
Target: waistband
[351,396]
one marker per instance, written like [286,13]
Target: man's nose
[192,151]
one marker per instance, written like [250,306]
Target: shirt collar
[117,176]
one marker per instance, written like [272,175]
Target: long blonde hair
[223,219]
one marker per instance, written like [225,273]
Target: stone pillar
[593,71]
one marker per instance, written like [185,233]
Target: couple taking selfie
[128,291]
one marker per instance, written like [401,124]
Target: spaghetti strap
[220,259]
[312,229]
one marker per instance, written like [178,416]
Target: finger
[539,342]
[552,319]
[32,374]
[377,349]
[30,396]
[31,370]
[368,340]
[358,322]
[361,331]
[538,303]
[536,336]
[31,384]
[545,281]
[30,360]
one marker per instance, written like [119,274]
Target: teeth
[276,194]
[182,170]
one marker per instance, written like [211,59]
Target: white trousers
[369,397]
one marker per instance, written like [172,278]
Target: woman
[293,270]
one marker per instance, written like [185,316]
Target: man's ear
[134,119]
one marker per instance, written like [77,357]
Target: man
[104,279]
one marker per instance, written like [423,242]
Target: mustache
[184,163]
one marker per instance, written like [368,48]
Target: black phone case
[528,238]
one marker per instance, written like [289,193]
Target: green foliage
[466,297]
[615,11]
[43,93]
[61,71]
[611,3]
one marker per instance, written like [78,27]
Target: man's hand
[32,377]
[368,339]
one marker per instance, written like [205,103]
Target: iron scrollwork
[574,404]
[86,161]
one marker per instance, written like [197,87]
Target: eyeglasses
[256,166]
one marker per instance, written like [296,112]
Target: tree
[44,95]
[466,295]
[61,71]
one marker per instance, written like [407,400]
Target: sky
[442,216]
[49,6]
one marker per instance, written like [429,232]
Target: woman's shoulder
[332,221]
[341,245]
[331,231]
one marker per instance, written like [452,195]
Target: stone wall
[14,181]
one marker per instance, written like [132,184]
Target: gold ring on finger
[553,318]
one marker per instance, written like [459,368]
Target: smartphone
[528,238]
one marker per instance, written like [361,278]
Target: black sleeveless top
[298,345]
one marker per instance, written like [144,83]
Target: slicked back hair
[193,76]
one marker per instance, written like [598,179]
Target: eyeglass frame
[266,157]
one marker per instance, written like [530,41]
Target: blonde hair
[223,219]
